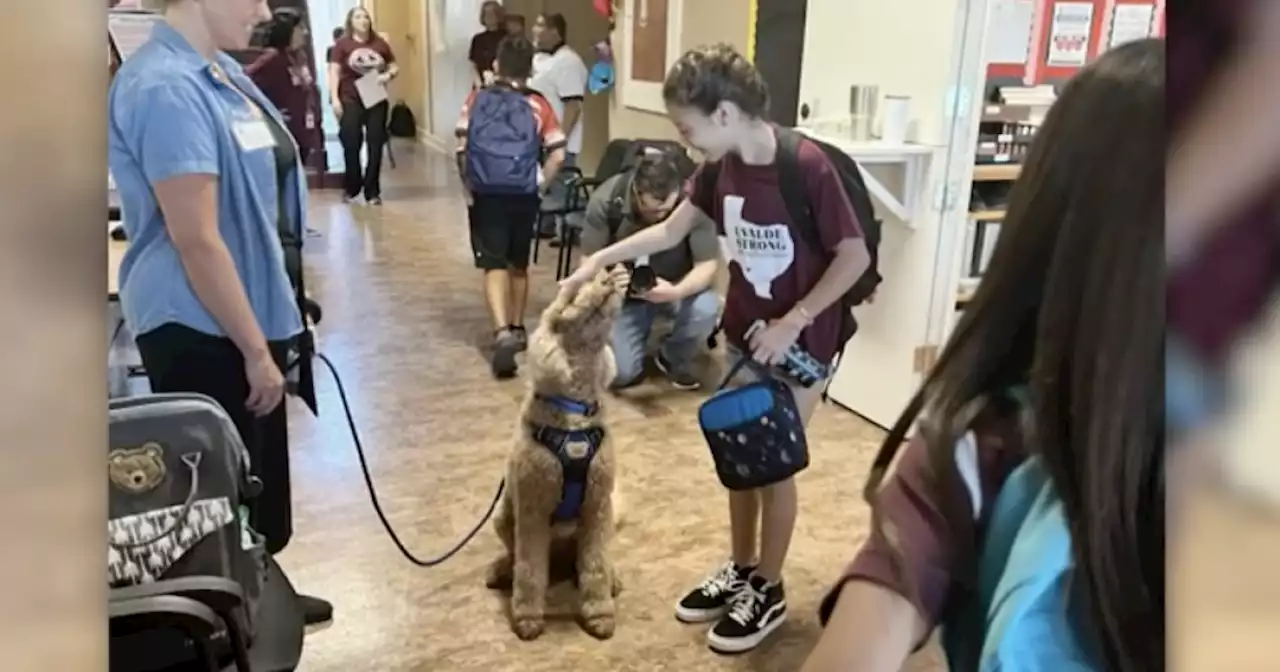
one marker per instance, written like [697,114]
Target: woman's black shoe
[315,610]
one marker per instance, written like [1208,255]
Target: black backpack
[792,184]
[178,486]
[401,123]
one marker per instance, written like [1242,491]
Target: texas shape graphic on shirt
[763,251]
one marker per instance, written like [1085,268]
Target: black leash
[373,492]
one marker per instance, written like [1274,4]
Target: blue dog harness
[575,449]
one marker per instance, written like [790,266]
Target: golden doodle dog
[557,512]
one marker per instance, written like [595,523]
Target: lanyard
[220,76]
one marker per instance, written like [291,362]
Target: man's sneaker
[680,378]
[711,599]
[755,613]
[522,338]
[504,354]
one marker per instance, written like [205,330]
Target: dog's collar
[568,405]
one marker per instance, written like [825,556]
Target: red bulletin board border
[1098,34]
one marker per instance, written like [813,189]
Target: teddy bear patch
[137,470]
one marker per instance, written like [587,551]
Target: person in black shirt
[484,45]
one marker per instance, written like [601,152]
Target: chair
[202,609]
[619,155]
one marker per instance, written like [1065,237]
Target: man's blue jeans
[693,320]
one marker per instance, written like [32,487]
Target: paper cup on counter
[895,117]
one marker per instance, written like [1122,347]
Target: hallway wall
[703,22]
[450,76]
[404,24]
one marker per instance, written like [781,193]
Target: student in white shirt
[560,75]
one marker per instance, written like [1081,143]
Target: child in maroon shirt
[718,102]
[1058,359]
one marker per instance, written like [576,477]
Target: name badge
[253,135]
[310,121]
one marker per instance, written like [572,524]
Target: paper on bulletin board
[1130,23]
[130,30]
[1009,31]
[1069,34]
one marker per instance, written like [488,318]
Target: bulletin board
[1062,35]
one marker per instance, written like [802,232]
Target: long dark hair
[280,30]
[1071,309]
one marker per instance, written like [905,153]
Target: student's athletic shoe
[679,378]
[522,338]
[755,612]
[375,201]
[710,600]
[505,347]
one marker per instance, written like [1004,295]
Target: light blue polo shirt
[169,115]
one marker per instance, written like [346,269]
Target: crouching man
[679,287]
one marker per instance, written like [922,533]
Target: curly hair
[707,76]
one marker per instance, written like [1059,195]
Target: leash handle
[748,362]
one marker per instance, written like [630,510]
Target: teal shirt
[1023,618]
[171,114]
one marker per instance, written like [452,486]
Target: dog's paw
[600,627]
[598,618]
[500,574]
[527,628]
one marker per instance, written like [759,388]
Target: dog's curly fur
[568,357]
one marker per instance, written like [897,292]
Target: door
[925,50]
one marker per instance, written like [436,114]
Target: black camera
[643,279]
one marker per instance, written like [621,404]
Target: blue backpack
[1022,617]
[503,144]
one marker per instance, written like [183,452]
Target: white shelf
[913,158]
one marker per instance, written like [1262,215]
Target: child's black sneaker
[756,611]
[710,600]
[521,335]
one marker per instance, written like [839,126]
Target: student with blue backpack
[1025,517]
[503,132]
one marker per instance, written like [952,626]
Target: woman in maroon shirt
[284,74]
[358,53]
[484,46]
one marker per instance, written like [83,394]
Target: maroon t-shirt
[936,529]
[773,264]
[287,81]
[356,59]
[1227,286]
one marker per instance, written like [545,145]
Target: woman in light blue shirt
[210,183]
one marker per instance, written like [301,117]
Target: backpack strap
[792,184]
[617,199]
[708,177]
